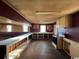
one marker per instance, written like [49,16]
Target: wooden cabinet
[15,45]
[71,48]
[60,43]
[66,47]
[65,21]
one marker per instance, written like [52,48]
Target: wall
[36,27]
[17,28]
[2,28]
[5,35]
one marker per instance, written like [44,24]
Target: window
[25,28]
[9,28]
[42,28]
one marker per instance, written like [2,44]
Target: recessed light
[45,12]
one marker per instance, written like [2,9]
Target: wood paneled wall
[2,28]
[17,28]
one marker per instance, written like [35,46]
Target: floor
[41,49]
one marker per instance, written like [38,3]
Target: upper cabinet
[65,21]
[75,19]
[71,20]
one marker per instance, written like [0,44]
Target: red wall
[8,12]
[35,28]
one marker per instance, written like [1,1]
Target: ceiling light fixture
[45,12]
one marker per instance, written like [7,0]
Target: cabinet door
[65,21]
[40,36]
[34,36]
[45,36]
[66,47]
[50,36]
[59,43]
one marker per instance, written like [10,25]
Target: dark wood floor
[41,50]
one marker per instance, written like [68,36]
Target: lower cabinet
[71,48]
[41,36]
[60,43]
[66,47]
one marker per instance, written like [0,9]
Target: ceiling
[43,11]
